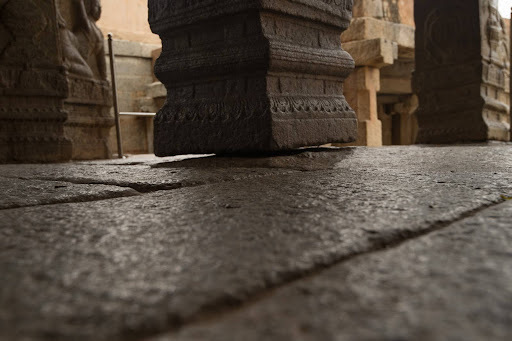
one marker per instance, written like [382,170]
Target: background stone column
[381,41]
[33,84]
[462,71]
[251,75]
[361,88]
[89,100]
[54,96]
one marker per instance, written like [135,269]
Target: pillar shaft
[32,84]
[54,96]
[251,75]
[361,88]
[461,72]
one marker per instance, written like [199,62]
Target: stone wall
[127,20]
[134,44]
[134,66]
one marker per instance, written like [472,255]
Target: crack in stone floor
[216,311]
[130,268]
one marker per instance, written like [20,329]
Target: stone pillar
[378,41]
[251,75]
[33,84]
[462,76]
[361,88]
[88,102]
[54,97]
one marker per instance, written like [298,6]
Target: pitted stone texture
[143,177]
[22,193]
[453,284]
[116,269]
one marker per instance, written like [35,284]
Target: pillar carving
[251,75]
[33,85]
[54,97]
[88,100]
[462,71]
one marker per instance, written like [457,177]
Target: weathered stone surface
[273,83]
[116,269]
[463,84]
[453,284]
[22,193]
[144,177]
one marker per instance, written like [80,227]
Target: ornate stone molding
[52,75]
[251,75]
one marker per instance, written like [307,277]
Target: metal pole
[114,91]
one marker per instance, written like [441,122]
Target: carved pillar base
[251,75]
[461,72]
[89,118]
[47,114]
[32,84]
[31,130]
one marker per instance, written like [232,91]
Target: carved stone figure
[462,71]
[89,36]
[88,102]
[251,75]
[497,37]
[83,41]
[74,62]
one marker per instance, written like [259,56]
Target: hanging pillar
[251,75]
[462,71]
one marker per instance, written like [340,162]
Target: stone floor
[397,243]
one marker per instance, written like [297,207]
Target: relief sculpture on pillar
[54,95]
[32,84]
[83,42]
[89,99]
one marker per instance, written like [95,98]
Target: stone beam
[251,75]
[370,28]
[377,52]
